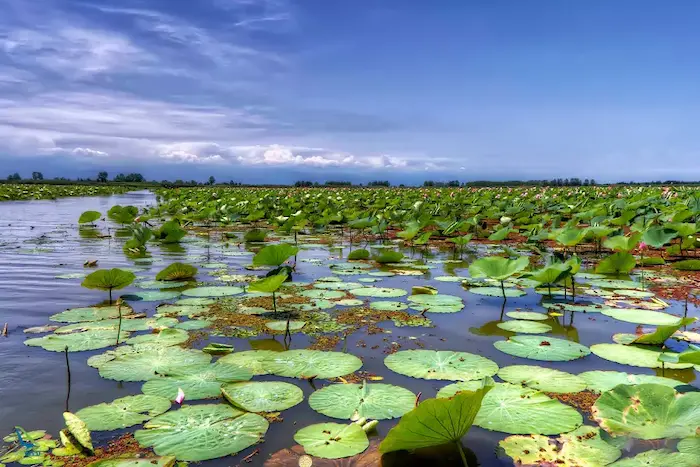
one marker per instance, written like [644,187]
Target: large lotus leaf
[160,284]
[542,379]
[662,333]
[263,396]
[79,430]
[641,316]
[659,458]
[388,306]
[97,361]
[496,267]
[108,279]
[519,410]
[137,324]
[253,360]
[79,341]
[193,324]
[151,296]
[689,446]
[88,217]
[275,255]
[202,432]
[196,301]
[525,326]
[437,421]
[123,413]
[92,313]
[547,349]
[350,401]
[176,272]
[648,411]
[378,292]
[358,255]
[436,300]
[602,381]
[530,315]
[441,365]
[144,366]
[635,356]
[200,381]
[498,292]
[164,461]
[311,363]
[165,337]
[583,447]
[123,214]
[617,263]
[332,440]
[268,284]
[338,285]
[213,291]
[657,237]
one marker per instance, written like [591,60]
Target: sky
[273,91]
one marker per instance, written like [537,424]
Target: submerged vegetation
[244,305]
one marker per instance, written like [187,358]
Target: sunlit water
[40,240]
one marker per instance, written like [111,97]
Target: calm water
[40,240]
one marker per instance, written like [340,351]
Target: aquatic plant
[108,279]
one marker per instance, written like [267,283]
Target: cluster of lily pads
[17,191]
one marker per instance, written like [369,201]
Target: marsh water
[40,240]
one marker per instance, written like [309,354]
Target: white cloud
[88,152]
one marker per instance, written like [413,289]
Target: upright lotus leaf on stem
[109,279]
[498,268]
[170,232]
[136,245]
[658,237]
[571,236]
[623,244]
[617,263]
[79,430]
[176,272]
[89,217]
[270,285]
[123,214]
[275,255]
[358,255]
[662,333]
[437,421]
[460,242]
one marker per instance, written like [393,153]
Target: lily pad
[323,294]
[202,432]
[263,396]
[150,363]
[519,410]
[530,315]
[199,381]
[354,401]
[281,325]
[379,292]
[641,356]
[440,365]
[542,379]
[151,296]
[349,302]
[497,292]
[166,337]
[648,411]
[332,440]
[388,306]
[602,381]
[164,461]
[641,316]
[311,363]
[123,413]
[547,349]
[658,458]
[136,324]
[196,301]
[79,341]
[338,285]
[525,326]
[93,313]
[213,291]
[160,284]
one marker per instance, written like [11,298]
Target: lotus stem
[110,295]
[503,290]
[274,303]
[68,379]
[461,452]
[119,328]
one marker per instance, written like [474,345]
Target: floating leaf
[275,255]
[79,430]
[93,313]
[542,348]
[311,363]
[89,217]
[440,365]
[659,458]
[525,326]
[496,267]
[202,432]
[253,360]
[164,461]
[497,292]
[151,362]
[542,379]
[165,337]
[79,341]
[602,381]
[332,440]
[176,272]
[378,292]
[123,412]
[372,401]
[213,291]
[641,316]
[642,356]
[199,381]
[263,396]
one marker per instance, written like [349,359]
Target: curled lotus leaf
[648,411]
[213,291]
[263,396]
[332,440]
[123,413]
[202,432]
[641,356]
[602,381]
[199,381]
[367,400]
[78,341]
[525,326]
[441,365]
[79,430]
[548,349]
[92,313]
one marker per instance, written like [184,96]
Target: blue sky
[406,90]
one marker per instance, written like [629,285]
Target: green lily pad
[338,285]
[583,447]
[160,284]
[332,440]
[151,362]
[213,291]
[439,303]
[195,301]
[355,401]
[641,356]
[440,365]
[388,306]
[529,315]
[635,293]
[164,461]
[602,381]
[193,324]
[350,302]
[525,326]
[641,316]
[79,430]
[542,379]
[92,313]
[151,296]
[497,292]
[547,349]
[202,432]
[519,410]
[323,294]
[263,396]
[79,341]
[311,363]
[689,446]
[294,326]
[136,324]
[166,337]
[648,411]
[659,458]
[123,413]
[378,292]
[199,381]
[253,360]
